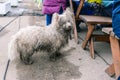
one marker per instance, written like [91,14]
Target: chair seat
[96,19]
[107,30]
[110,32]
[91,21]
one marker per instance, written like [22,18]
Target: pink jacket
[52,6]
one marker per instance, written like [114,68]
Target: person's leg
[106,11]
[48,19]
[75,5]
[118,78]
[61,11]
[86,9]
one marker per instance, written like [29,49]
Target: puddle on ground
[44,69]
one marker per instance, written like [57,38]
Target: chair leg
[115,47]
[91,47]
[75,31]
[110,70]
[75,34]
[88,35]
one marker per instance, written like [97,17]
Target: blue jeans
[49,17]
[118,78]
[85,9]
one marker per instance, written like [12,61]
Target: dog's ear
[55,17]
[68,9]
[61,21]
[69,13]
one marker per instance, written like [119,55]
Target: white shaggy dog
[50,39]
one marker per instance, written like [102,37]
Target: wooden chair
[91,21]
[114,68]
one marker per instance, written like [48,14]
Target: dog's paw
[28,62]
[55,56]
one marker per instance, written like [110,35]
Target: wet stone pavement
[44,69]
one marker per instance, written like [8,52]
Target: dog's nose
[68,25]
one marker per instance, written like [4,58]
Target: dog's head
[64,21]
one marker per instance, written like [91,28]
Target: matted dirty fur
[49,39]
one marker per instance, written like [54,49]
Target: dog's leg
[54,56]
[57,54]
[26,58]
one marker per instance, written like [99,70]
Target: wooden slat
[96,19]
[71,5]
[110,32]
[107,30]
[74,24]
[101,38]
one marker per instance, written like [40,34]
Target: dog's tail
[12,50]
